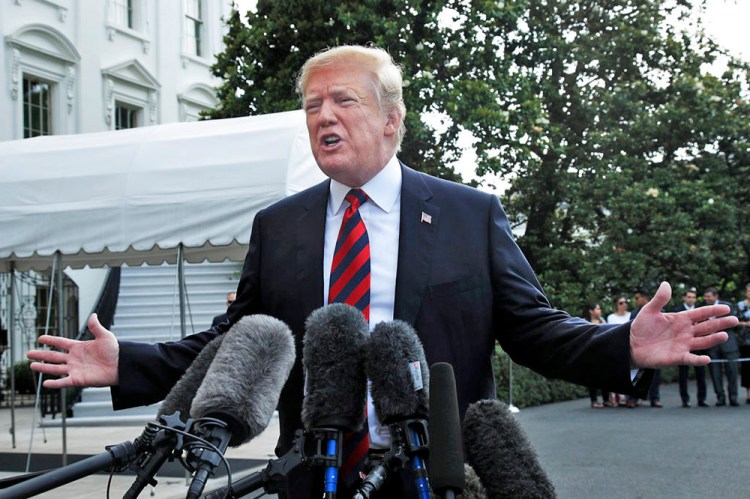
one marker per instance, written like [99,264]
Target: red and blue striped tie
[350,284]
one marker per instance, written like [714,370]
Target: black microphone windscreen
[333,359]
[243,385]
[398,373]
[182,394]
[446,463]
[501,454]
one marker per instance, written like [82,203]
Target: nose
[326,114]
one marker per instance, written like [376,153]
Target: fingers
[697,360]
[53,369]
[59,383]
[702,313]
[96,327]
[56,342]
[706,342]
[713,326]
[47,356]
[660,299]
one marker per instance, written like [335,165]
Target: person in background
[688,303]
[621,315]
[727,355]
[231,296]
[593,313]
[743,337]
[642,297]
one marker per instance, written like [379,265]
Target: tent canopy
[133,196]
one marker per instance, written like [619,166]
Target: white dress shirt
[381,215]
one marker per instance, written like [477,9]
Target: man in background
[726,354]
[688,303]
[231,296]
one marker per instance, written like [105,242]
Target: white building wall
[93,61]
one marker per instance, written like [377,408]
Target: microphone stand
[117,458]
[409,443]
[309,448]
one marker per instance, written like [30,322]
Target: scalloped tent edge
[136,196]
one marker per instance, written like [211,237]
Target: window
[194,27]
[36,108]
[122,13]
[125,117]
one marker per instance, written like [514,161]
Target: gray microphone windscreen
[182,394]
[243,385]
[473,488]
[446,463]
[499,451]
[398,373]
[333,359]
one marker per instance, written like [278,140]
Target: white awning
[133,196]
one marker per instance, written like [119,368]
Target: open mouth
[331,140]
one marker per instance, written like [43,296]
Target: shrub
[530,388]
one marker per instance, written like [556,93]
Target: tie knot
[356,197]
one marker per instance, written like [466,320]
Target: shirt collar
[383,189]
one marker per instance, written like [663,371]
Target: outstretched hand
[84,363]
[664,339]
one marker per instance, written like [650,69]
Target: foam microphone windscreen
[446,463]
[499,451]
[243,385]
[333,358]
[473,488]
[180,398]
[398,373]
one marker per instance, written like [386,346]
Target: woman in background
[593,313]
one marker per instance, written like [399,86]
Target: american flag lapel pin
[426,218]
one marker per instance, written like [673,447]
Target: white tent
[133,196]
[164,193]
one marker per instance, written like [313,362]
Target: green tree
[627,160]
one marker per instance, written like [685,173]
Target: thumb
[660,299]
[96,327]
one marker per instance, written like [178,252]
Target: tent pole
[181,286]
[61,332]
[12,346]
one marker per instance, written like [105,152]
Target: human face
[709,298]
[622,304]
[689,299]
[596,313]
[640,299]
[351,137]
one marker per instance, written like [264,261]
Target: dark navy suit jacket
[462,282]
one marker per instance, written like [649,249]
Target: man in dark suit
[688,303]
[442,259]
[727,354]
[231,296]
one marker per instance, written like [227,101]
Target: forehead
[339,77]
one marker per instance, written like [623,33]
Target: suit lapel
[309,243]
[420,221]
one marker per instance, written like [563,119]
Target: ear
[393,122]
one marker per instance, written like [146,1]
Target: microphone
[473,488]
[335,382]
[446,444]
[498,449]
[241,389]
[156,446]
[397,369]
[183,392]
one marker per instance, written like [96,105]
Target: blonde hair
[389,82]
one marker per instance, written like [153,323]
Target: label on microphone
[416,375]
